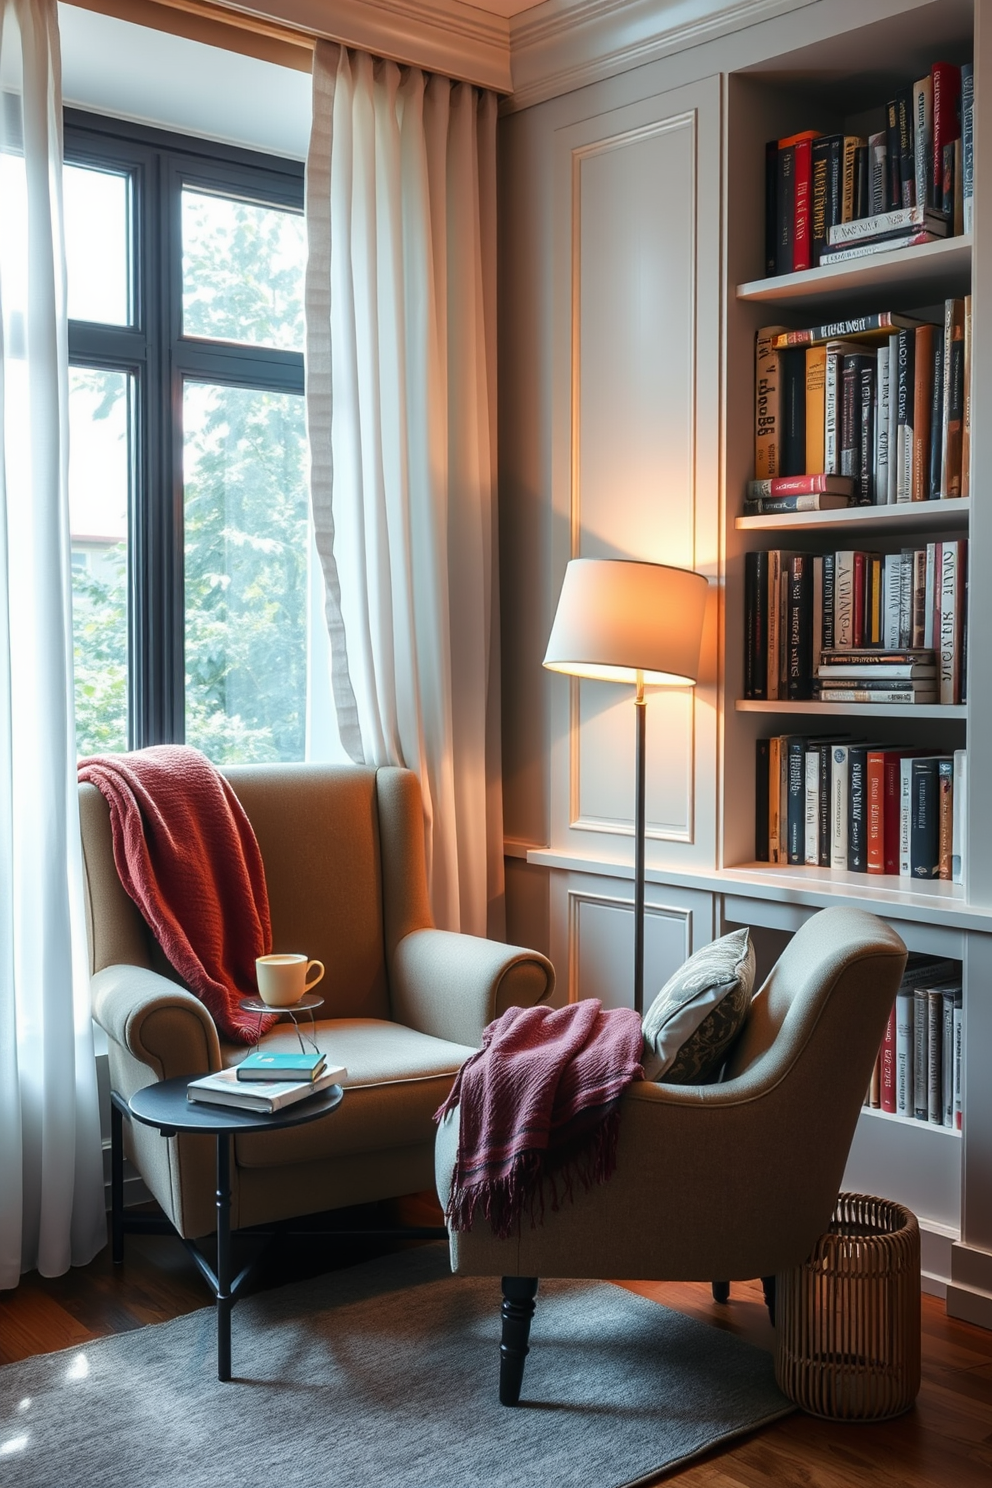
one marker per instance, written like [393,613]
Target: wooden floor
[946,1442]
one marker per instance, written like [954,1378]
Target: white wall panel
[636,463]
[592,945]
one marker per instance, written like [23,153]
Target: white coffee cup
[284,979]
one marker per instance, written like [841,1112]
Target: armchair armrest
[156,1021]
[451,986]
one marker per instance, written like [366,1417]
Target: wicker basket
[848,1320]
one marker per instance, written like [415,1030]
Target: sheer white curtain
[401,414]
[51,1182]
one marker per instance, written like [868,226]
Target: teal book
[278,1064]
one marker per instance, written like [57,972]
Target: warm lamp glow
[621,621]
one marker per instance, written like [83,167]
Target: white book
[958,1063]
[832,407]
[874,695]
[905,815]
[839,775]
[811,819]
[891,592]
[905,598]
[959,811]
[947,1057]
[844,599]
[931,581]
[950,623]
[882,424]
[904,1053]
[260,1096]
[893,415]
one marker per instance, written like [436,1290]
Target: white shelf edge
[910,1122]
[884,270]
[936,903]
[861,710]
[908,516]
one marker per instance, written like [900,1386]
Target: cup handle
[309,985]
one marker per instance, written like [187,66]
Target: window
[187,477]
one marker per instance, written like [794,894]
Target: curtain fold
[400,307]
[51,1179]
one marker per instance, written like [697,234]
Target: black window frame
[161,359]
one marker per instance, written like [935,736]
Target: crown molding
[443,36]
[558,47]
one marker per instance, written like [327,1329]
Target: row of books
[827,801]
[829,198]
[880,403]
[857,627]
[919,1065]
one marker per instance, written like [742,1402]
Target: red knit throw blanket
[187,855]
[539,1108]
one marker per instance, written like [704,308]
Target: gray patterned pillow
[699,1012]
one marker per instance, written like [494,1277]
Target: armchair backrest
[343,848]
[834,979]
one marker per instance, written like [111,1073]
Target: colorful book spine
[922,401]
[905,393]
[968,146]
[923,142]
[767,405]
[946,100]
[816,383]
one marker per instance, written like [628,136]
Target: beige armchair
[731,1181]
[405,1004]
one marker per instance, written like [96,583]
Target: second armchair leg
[518,1309]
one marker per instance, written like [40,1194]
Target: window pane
[99,492]
[98,244]
[246,541]
[243,267]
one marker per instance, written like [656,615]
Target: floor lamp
[639,623]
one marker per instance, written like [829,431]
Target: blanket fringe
[537,1179]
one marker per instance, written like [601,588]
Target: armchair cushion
[699,1012]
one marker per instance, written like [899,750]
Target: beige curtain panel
[400,305]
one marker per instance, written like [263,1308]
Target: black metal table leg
[224,1298]
[116,1183]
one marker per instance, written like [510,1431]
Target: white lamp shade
[616,619]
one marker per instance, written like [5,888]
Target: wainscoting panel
[592,936]
[636,441]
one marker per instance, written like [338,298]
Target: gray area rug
[386,1374]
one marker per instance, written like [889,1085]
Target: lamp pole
[640,714]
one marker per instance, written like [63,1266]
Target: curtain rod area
[469,45]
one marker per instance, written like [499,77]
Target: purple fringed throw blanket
[539,1104]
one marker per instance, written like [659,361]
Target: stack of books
[876,677]
[918,1069]
[829,801]
[876,408]
[266,1081]
[919,158]
[876,627]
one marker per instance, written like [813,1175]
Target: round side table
[167,1107]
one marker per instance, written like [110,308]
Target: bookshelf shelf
[871,889]
[914,275]
[858,710]
[876,1113]
[910,516]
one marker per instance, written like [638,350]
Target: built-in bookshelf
[912,281]
[921,1162]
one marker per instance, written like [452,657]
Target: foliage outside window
[188,491]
